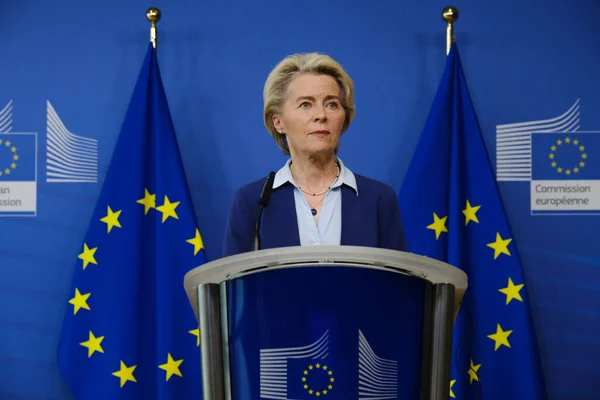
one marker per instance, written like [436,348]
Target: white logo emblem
[69,157]
[377,377]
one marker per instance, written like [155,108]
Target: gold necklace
[313,209]
[326,190]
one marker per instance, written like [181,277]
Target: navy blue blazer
[370,219]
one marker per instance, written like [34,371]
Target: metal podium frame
[205,288]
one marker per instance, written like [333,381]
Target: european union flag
[452,212]
[129,332]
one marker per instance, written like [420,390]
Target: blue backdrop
[68,70]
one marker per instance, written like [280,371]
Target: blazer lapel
[280,224]
[351,218]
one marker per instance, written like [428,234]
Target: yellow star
[196,332]
[576,142]
[473,372]
[581,148]
[168,209]
[318,394]
[318,365]
[553,164]
[171,366]
[500,246]
[576,170]
[93,344]
[111,219]
[7,144]
[79,301]
[88,255]
[512,291]
[330,373]
[438,225]
[310,367]
[305,372]
[568,172]
[452,382]
[581,164]
[500,337]
[197,242]
[305,386]
[553,148]
[559,142]
[7,171]
[551,156]
[15,157]
[470,213]
[13,149]
[325,367]
[559,170]
[324,391]
[584,156]
[13,165]
[125,373]
[331,379]
[304,380]
[0,141]
[329,387]
[310,391]
[568,140]
[149,201]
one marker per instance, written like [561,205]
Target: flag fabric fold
[129,331]
[452,211]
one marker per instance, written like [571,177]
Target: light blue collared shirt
[329,230]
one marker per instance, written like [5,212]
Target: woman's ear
[278,123]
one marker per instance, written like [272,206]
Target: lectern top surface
[391,261]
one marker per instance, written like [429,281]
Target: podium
[337,322]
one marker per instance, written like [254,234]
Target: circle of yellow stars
[88,256]
[310,390]
[559,144]
[15,157]
[512,291]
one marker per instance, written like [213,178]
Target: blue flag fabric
[129,331]
[452,211]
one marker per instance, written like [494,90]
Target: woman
[316,199]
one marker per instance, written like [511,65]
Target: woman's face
[313,117]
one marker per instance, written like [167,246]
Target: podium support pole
[441,344]
[211,341]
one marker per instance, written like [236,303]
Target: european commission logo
[69,159]
[312,371]
[18,180]
[18,166]
[561,163]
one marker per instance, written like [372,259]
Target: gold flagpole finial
[153,15]
[450,15]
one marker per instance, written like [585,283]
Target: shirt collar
[346,176]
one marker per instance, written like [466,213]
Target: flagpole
[153,15]
[450,15]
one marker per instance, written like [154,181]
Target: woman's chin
[322,149]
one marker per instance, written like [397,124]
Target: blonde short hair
[275,90]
